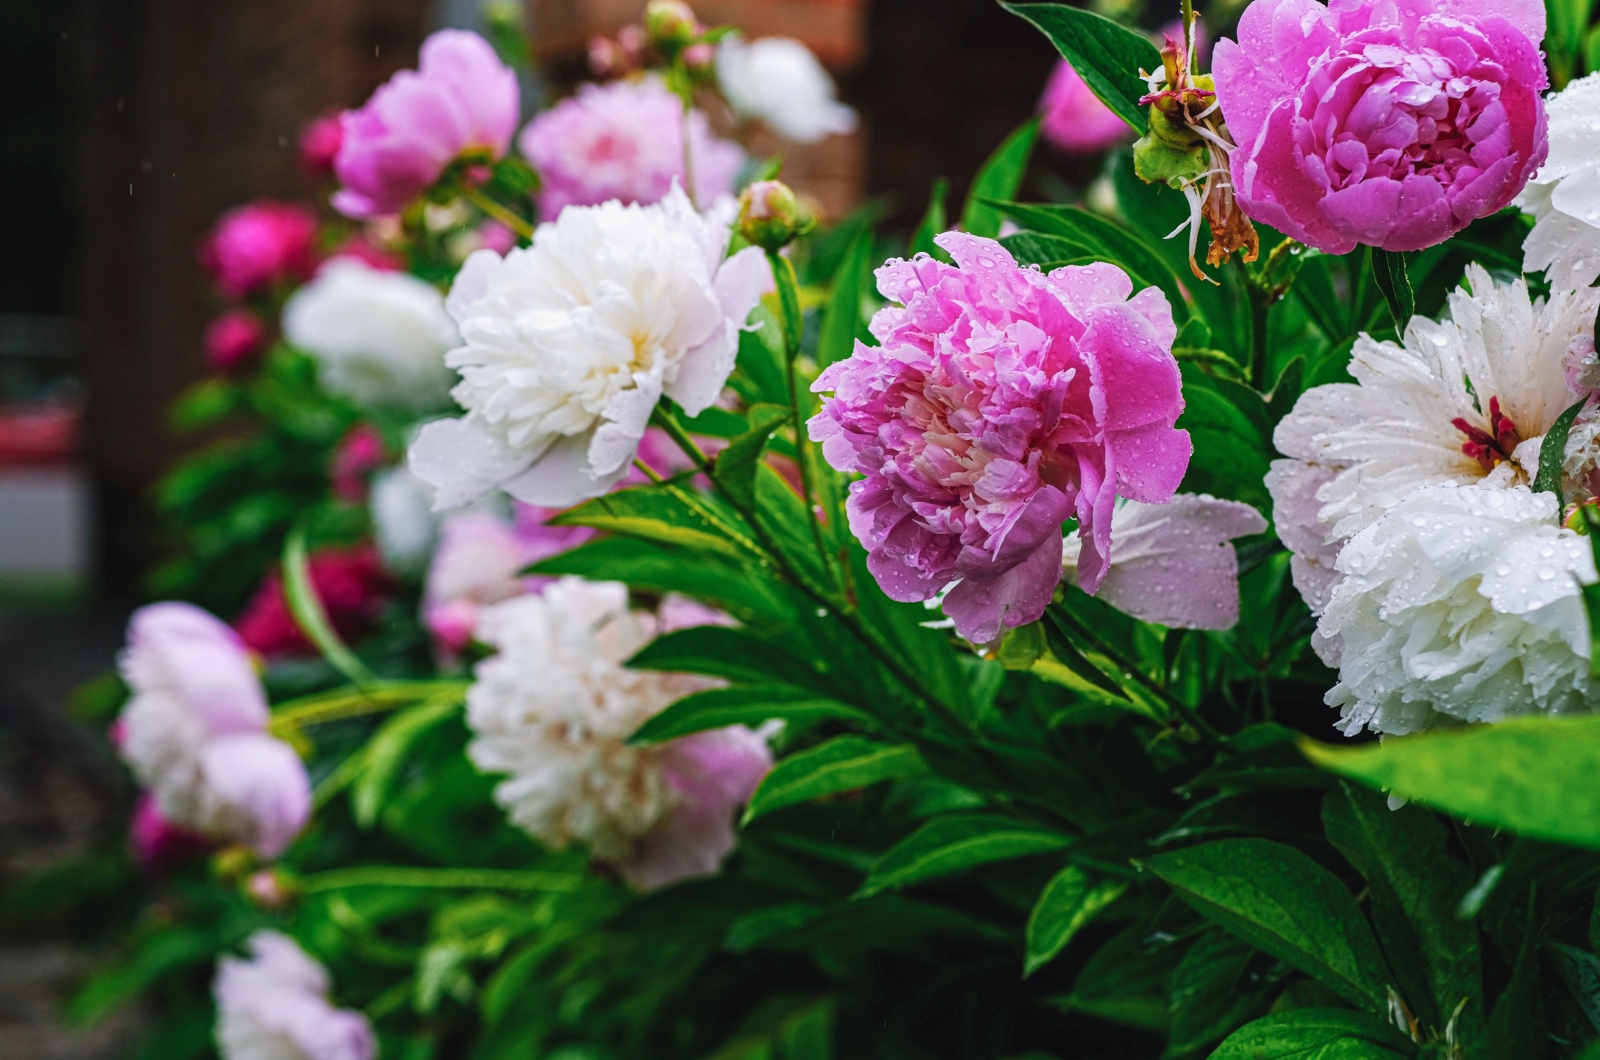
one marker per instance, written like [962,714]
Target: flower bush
[1054,648]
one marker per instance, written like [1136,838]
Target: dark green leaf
[671,513]
[1110,241]
[1069,901]
[1389,271]
[1553,451]
[953,844]
[844,763]
[1315,1034]
[1210,995]
[1284,904]
[735,467]
[933,221]
[1000,178]
[735,654]
[743,705]
[1581,970]
[665,569]
[842,323]
[385,754]
[1106,55]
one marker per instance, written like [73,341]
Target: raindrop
[1546,572]
[1440,339]
[1502,569]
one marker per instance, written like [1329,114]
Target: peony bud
[770,215]
[234,339]
[670,25]
[270,889]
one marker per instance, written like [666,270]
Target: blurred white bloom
[570,343]
[275,1006]
[777,80]
[553,710]
[1174,564]
[1467,399]
[379,337]
[1564,196]
[1461,604]
[403,522]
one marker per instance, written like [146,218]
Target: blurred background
[126,128]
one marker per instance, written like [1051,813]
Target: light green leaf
[743,705]
[999,179]
[1315,1034]
[734,469]
[670,513]
[953,844]
[841,322]
[1534,776]
[666,569]
[385,754]
[309,615]
[1284,904]
[844,763]
[1069,901]
[1108,56]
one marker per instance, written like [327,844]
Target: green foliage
[1106,55]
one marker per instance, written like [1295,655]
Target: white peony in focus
[553,710]
[1564,196]
[570,343]
[1174,564]
[274,1006]
[1461,604]
[1465,400]
[379,338]
[778,81]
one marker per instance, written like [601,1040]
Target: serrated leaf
[743,705]
[735,467]
[1553,452]
[844,763]
[1315,1034]
[1108,56]
[1069,901]
[1533,776]
[1284,904]
[954,844]
[999,179]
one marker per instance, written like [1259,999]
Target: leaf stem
[789,306]
[296,714]
[504,214]
[442,879]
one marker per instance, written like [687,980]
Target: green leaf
[1581,970]
[665,569]
[1553,451]
[1284,904]
[1389,270]
[844,763]
[1069,901]
[1591,593]
[306,607]
[385,755]
[1315,1034]
[735,467]
[743,705]
[734,654]
[1106,55]
[1000,178]
[1047,251]
[1533,776]
[933,221]
[841,321]
[670,513]
[1108,241]
[1210,995]
[761,361]
[953,844]
[1415,887]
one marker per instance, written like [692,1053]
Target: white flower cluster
[779,81]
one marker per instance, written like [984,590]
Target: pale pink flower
[460,99]
[1001,402]
[1074,119]
[274,1006]
[624,141]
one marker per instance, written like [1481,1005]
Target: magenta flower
[1002,401]
[461,98]
[624,141]
[255,247]
[1074,119]
[234,339]
[1395,127]
[158,844]
[320,141]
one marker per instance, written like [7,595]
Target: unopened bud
[701,61]
[770,215]
[270,889]
[670,25]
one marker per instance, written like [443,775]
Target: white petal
[461,461]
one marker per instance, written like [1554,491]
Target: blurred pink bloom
[351,584]
[275,1004]
[195,734]
[158,844]
[319,145]
[1074,119]
[1395,127]
[360,453]
[257,246]
[460,99]
[493,235]
[233,339]
[1002,401]
[370,254]
[623,141]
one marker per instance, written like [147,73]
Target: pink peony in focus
[461,98]
[349,581]
[360,453]
[234,339]
[1001,402]
[275,1004]
[195,734]
[255,247]
[1368,123]
[1073,118]
[624,141]
[158,844]
[320,141]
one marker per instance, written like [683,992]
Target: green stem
[506,216]
[305,607]
[319,709]
[793,325]
[442,879]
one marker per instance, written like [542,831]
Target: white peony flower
[275,1006]
[777,80]
[403,521]
[553,710]
[1174,564]
[1564,196]
[379,337]
[1461,604]
[570,343]
[1465,400]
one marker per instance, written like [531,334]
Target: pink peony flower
[1074,119]
[1393,126]
[233,339]
[461,98]
[320,141]
[624,141]
[275,1004]
[195,734]
[1002,401]
[257,246]
[158,844]
[350,582]
[360,453]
